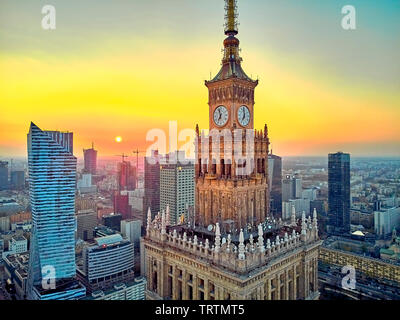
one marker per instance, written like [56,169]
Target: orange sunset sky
[121,68]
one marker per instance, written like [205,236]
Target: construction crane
[137,157]
[123,156]
[137,165]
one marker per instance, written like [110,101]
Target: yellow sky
[127,89]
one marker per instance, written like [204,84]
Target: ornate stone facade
[283,267]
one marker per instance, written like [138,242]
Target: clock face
[221,116]
[244,116]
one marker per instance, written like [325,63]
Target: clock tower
[232,160]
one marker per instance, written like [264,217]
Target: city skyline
[315,95]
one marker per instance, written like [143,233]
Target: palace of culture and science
[232,248]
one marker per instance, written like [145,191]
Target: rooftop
[109,240]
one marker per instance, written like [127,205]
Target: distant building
[291,188]
[18,244]
[86,222]
[17,180]
[121,204]
[1,249]
[16,269]
[134,290]
[318,205]
[9,206]
[90,160]
[126,176]
[3,175]
[137,204]
[151,184]
[85,185]
[339,192]
[310,194]
[177,189]
[85,202]
[103,231]
[385,221]
[132,230]
[300,205]
[108,262]
[4,224]
[113,221]
[275,184]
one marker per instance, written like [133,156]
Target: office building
[132,230]
[177,190]
[52,180]
[108,262]
[126,176]
[339,192]
[385,220]
[86,221]
[300,206]
[151,184]
[275,184]
[18,244]
[17,180]
[112,221]
[134,290]
[16,270]
[137,204]
[85,185]
[3,175]
[122,205]
[90,160]
[9,206]
[291,188]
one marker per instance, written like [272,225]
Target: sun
[118,139]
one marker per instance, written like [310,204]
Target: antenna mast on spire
[231,25]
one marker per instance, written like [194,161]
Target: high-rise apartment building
[339,192]
[177,190]
[90,160]
[52,180]
[275,184]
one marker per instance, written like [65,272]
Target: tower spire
[231,24]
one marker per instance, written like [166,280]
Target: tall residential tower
[52,179]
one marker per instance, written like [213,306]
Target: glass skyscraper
[339,192]
[52,180]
